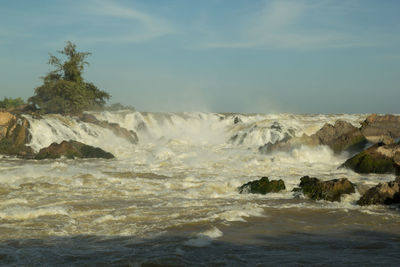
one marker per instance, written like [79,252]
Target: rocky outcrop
[72,149]
[342,136]
[129,135]
[378,128]
[14,135]
[331,190]
[379,158]
[262,186]
[382,194]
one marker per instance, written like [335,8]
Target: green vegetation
[11,103]
[64,90]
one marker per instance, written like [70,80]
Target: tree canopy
[10,103]
[64,90]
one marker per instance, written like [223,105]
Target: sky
[258,56]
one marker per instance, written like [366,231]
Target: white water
[183,174]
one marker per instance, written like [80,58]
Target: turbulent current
[172,198]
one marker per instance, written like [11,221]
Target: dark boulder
[72,149]
[382,194]
[378,128]
[237,120]
[379,158]
[262,186]
[331,190]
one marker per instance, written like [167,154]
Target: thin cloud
[145,27]
[286,24]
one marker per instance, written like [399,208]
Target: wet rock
[262,186]
[379,128]
[86,117]
[287,144]
[237,120]
[72,149]
[276,126]
[382,194]
[379,158]
[342,136]
[331,190]
[129,135]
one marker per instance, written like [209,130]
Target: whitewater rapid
[181,179]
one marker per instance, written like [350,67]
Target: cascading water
[172,198]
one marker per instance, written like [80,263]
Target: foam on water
[25,213]
[204,238]
[185,169]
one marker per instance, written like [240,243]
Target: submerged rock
[72,149]
[378,128]
[14,135]
[383,194]
[262,186]
[129,135]
[379,158]
[331,190]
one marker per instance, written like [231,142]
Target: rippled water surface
[172,198]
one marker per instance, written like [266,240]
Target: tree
[10,103]
[64,90]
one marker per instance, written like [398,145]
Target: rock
[6,118]
[287,144]
[14,135]
[379,158]
[129,135]
[331,190]
[85,117]
[72,149]
[382,194]
[377,128]
[237,120]
[262,186]
[342,136]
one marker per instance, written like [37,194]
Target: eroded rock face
[262,186]
[331,190]
[14,135]
[72,149]
[378,128]
[382,194]
[129,135]
[6,119]
[379,158]
[342,136]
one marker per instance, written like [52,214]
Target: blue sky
[300,56]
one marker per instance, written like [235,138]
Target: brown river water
[172,198]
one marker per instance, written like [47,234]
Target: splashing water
[175,191]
